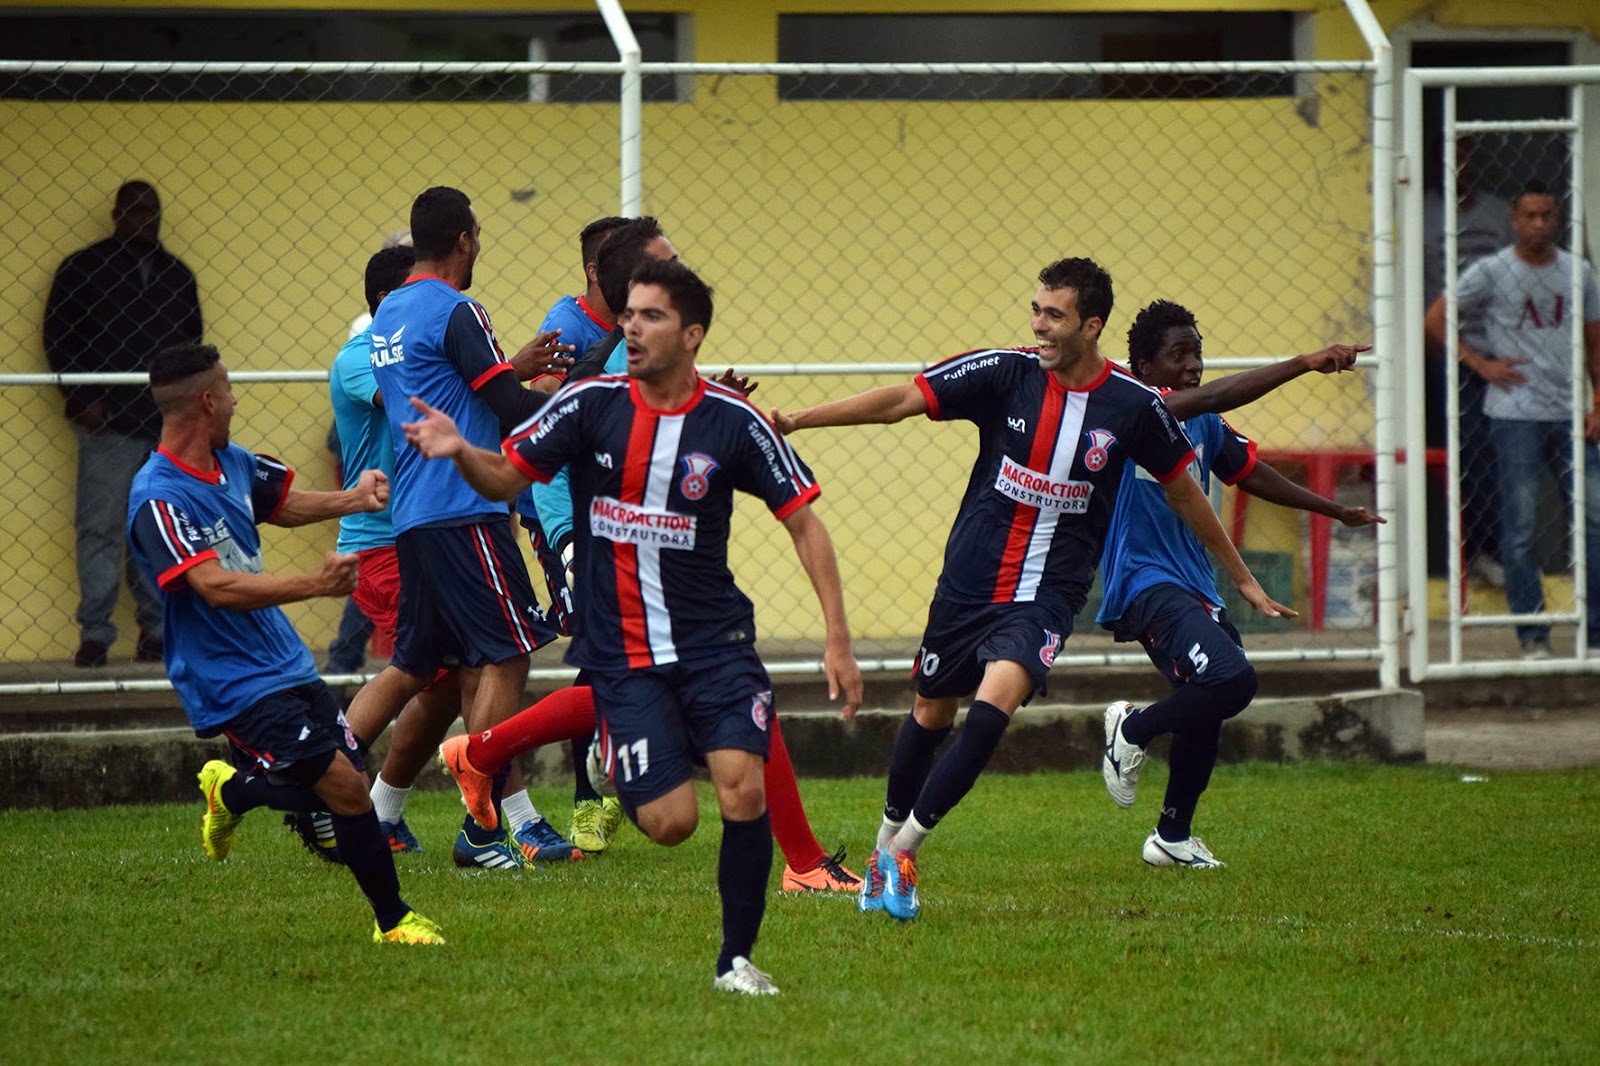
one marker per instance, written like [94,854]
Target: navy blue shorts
[291,736]
[465,599]
[1190,641]
[962,639]
[657,722]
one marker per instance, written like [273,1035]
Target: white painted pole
[631,119]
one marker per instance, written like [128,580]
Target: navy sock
[958,770]
[243,792]
[1194,754]
[365,850]
[743,867]
[1191,706]
[582,790]
[913,755]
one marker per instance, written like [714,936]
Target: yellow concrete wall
[1252,212]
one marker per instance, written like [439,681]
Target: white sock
[886,833]
[388,801]
[910,836]
[518,810]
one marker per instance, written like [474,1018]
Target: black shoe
[149,649]
[91,653]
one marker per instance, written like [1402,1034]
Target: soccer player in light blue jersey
[1160,589]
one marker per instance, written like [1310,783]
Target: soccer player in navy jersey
[238,665]
[1056,426]
[1160,589]
[665,634]
[465,599]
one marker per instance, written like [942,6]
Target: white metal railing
[1449,80]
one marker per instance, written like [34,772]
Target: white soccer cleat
[1119,765]
[594,764]
[744,978]
[1192,853]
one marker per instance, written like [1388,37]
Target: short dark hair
[594,234]
[1531,187]
[179,361]
[1087,279]
[387,271]
[690,296]
[619,256]
[129,189]
[1149,330]
[438,217]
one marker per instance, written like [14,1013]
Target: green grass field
[1369,914]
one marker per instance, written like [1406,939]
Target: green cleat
[412,929]
[586,832]
[610,817]
[218,823]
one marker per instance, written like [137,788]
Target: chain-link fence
[854,221]
[1507,299]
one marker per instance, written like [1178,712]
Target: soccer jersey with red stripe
[431,341]
[1050,461]
[653,498]
[220,661]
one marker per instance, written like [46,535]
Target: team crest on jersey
[761,709]
[1048,650]
[697,468]
[1100,442]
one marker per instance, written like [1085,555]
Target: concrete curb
[91,769]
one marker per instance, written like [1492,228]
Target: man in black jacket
[113,305]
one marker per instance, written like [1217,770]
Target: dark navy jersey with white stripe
[221,662]
[431,341]
[1050,461]
[652,497]
[1149,545]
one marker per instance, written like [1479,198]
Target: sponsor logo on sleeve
[647,527]
[1041,490]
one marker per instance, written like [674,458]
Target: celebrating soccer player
[666,635]
[1056,425]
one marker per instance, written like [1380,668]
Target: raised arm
[1190,504]
[369,493]
[882,406]
[490,474]
[1236,390]
[228,590]
[815,549]
[1265,482]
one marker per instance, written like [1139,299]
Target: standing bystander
[112,306]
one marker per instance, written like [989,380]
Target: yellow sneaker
[610,817]
[586,832]
[413,929]
[218,823]
[828,876]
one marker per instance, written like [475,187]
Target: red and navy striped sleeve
[548,441]
[269,487]
[169,540]
[765,464]
[964,386]
[1236,456]
[1158,442]
[470,344]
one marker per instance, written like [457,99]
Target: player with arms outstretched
[1056,425]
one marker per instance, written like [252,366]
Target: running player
[1160,588]
[238,665]
[666,635]
[1056,426]
[465,600]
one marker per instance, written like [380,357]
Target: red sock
[563,715]
[790,827]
